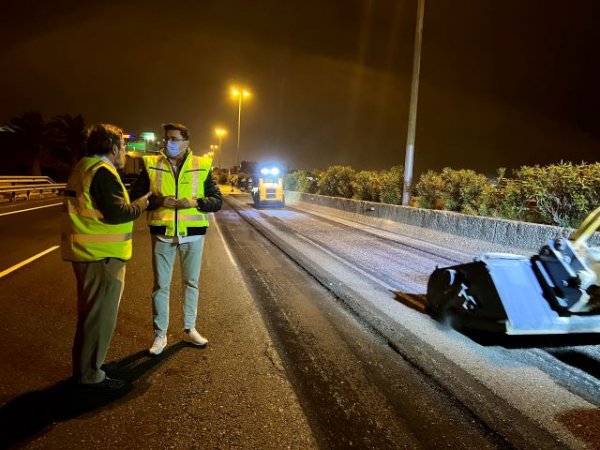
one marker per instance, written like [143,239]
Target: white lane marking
[231,258]
[29,209]
[27,261]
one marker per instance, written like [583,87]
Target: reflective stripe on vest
[85,236]
[195,172]
[101,237]
[188,184]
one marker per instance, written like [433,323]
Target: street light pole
[412,112]
[239,93]
[220,132]
[219,150]
[213,149]
[239,128]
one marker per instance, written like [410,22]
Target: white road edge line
[29,209]
[27,261]
[231,258]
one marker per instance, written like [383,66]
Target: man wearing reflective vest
[96,238]
[183,193]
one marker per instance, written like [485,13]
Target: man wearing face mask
[96,238]
[183,192]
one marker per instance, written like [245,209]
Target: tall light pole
[239,94]
[213,149]
[412,110]
[220,132]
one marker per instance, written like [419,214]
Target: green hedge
[452,190]
[559,194]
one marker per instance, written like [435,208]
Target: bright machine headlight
[270,171]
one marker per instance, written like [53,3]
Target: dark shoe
[108,384]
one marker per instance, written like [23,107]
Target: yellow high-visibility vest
[189,184]
[86,236]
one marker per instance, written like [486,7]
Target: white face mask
[173,148]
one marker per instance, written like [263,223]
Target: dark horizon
[502,85]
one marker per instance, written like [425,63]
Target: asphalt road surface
[520,388]
[233,394]
[315,379]
[287,365]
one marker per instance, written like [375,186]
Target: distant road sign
[137,145]
[148,135]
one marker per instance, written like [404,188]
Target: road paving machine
[553,292]
[268,190]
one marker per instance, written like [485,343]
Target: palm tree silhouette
[29,131]
[65,137]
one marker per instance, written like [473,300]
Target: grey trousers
[99,289]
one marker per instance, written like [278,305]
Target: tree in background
[65,137]
[223,177]
[29,131]
[39,148]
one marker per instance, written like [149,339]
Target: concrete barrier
[502,232]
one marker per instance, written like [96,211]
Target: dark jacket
[211,202]
[109,198]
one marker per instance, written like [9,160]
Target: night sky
[503,82]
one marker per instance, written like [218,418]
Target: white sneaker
[193,337]
[158,345]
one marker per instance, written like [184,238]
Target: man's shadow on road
[34,412]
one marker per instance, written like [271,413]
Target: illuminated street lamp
[239,94]
[220,132]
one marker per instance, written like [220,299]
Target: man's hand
[184,203]
[167,202]
[142,202]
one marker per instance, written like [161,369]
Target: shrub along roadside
[560,194]
[452,190]
[337,181]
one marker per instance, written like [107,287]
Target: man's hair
[177,126]
[101,138]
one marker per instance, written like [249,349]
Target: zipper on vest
[176,175]
[177,197]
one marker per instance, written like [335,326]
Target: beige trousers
[99,289]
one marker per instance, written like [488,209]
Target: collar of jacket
[188,152]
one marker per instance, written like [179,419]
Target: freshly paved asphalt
[286,365]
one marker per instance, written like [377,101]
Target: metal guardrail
[12,193]
[14,180]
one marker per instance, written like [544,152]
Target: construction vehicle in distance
[268,190]
[556,291]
